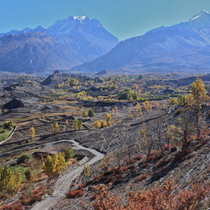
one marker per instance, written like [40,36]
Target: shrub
[14,206]
[8,125]
[91,113]
[23,158]
[69,154]
[10,179]
[86,170]
[128,95]
[77,124]
[28,174]
[75,193]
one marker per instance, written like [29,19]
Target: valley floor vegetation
[153,132]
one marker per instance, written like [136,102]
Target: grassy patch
[4,132]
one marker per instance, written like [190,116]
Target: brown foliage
[14,206]
[159,198]
[36,195]
[141,177]
[75,193]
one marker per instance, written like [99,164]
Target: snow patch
[80,18]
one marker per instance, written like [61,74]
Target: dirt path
[63,183]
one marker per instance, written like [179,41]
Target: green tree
[128,94]
[23,158]
[28,174]
[86,170]
[90,113]
[69,154]
[77,124]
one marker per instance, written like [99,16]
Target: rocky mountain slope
[66,43]
[184,47]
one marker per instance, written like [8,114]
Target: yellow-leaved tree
[54,164]
[10,179]
[199,98]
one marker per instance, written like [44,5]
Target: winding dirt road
[63,183]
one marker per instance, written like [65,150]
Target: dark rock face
[53,79]
[68,42]
[13,104]
[184,47]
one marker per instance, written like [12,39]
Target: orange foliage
[159,198]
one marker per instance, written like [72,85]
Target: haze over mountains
[184,47]
[68,42]
[83,44]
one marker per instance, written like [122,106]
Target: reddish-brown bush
[166,147]
[141,177]
[36,195]
[159,198]
[15,206]
[163,162]
[155,155]
[75,193]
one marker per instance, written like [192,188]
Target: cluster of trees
[88,113]
[104,123]
[128,94]
[191,119]
[187,124]
[10,179]
[8,125]
[77,124]
[56,163]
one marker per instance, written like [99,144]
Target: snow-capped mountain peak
[80,18]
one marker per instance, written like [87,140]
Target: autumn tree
[184,129]
[54,164]
[199,95]
[97,124]
[146,106]
[32,132]
[146,141]
[173,134]
[55,127]
[77,124]
[86,170]
[108,117]
[10,179]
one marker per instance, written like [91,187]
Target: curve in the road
[63,183]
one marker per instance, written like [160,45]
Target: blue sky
[123,18]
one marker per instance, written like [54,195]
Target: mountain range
[183,47]
[66,43]
[83,44]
